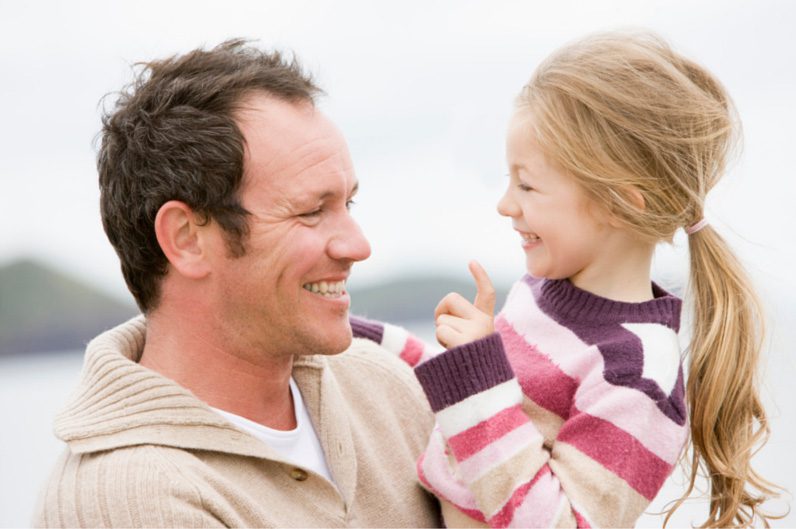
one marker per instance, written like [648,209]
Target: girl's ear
[636,199]
[180,233]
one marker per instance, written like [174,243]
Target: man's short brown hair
[171,136]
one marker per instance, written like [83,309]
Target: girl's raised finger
[485,291]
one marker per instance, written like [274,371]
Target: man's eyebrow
[329,194]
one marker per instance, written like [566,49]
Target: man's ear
[179,232]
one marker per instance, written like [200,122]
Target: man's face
[287,294]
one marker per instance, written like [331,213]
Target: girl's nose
[506,206]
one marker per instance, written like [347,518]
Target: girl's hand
[459,321]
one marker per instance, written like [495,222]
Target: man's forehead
[261,115]
[280,133]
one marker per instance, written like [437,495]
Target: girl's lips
[528,238]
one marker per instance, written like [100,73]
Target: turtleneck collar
[567,302]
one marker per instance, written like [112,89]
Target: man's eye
[313,213]
[349,204]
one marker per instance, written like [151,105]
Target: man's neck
[220,373]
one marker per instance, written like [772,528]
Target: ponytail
[728,422]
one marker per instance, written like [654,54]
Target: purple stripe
[569,303]
[463,371]
[597,320]
[362,328]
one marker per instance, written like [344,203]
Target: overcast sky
[422,91]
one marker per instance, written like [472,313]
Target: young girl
[570,408]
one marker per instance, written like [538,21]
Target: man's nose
[349,243]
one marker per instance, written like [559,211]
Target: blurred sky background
[423,92]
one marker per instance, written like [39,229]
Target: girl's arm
[395,339]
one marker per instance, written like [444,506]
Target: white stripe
[429,352]
[479,407]
[526,437]
[661,353]
[535,509]
[394,338]
[437,471]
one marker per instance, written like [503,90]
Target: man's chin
[333,343]
[342,344]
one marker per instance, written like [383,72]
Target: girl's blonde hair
[626,115]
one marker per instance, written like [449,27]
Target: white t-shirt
[299,446]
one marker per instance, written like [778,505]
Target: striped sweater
[571,414]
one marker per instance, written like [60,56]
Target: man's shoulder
[374,376]
[371,359]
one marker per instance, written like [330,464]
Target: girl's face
[564,233]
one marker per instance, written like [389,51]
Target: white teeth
[327,289]
[529,237]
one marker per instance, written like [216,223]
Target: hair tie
[690,230]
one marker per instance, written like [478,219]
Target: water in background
[34,388]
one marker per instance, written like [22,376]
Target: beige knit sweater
[143,451]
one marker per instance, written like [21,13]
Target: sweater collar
[559,297]
[121,403]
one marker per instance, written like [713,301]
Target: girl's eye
[349,204]
[524,187]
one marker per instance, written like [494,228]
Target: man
[226,195]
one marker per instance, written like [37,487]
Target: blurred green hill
[411,299]
[43,309]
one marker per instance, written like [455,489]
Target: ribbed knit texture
[144,452]
[463,371]
[571,415]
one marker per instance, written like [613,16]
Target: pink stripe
[581,521]
[412,351]
[554,340]
[618,451]
[504,516]
[472,513]
[634,412]
[483,434]
[566,357]
[526,438]
[556,390]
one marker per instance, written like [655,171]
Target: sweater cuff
[362,328]
[463,371]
